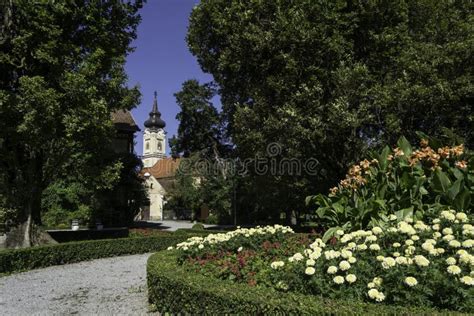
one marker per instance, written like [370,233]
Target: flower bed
[402,263]
[172,289]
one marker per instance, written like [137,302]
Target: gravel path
[111,286]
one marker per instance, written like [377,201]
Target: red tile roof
[163,168]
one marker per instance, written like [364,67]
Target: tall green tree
[204,179]
[328,79]
[199,122]
[62,74]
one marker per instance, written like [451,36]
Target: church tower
[154,137]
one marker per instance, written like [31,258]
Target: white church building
[159,171]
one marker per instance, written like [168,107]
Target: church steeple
[155,121]
[154,137]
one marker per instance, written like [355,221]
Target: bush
[403,181]
[198,226]
[405,263]
[172,289]
[45,256]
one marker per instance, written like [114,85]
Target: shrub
[172,289]
[404,263]
[44,256]
[198,226]
[403,181]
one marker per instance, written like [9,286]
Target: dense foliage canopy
[61,77]
[329,79]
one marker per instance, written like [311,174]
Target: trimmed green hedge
[44,256]
[173,290]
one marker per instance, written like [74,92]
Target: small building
[125,131]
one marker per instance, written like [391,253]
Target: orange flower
[461,164]
[333,191]
[458,150]
[398,152]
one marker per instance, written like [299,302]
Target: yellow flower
[411,281]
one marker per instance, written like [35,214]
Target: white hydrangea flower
[396,245]
[362,247]
[461,217]
[277,264]
[448,216]
[310,270]
[392,230]
[374,247]
[467,280]
[378,281]
[409,242]
[371,238]
[346,254]
[351,278]
[436,235]
[401,260]
[411,281]
[352,260]
[436,221]
[388,262]
[332,270]
[339,232]
[170,248]
[344,265]
[454,269]
[451,261]
[332,254]
[392,217]
[454,244]
[469,243]
[377,230]
[396,254]
[310,262]
[448,237]
[376,295]
[380,258]
[436,227]
[421,261]
[298,256]
[371,285]
[415,238]
[338,279]
[447,231]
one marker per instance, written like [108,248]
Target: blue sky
[162,61]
